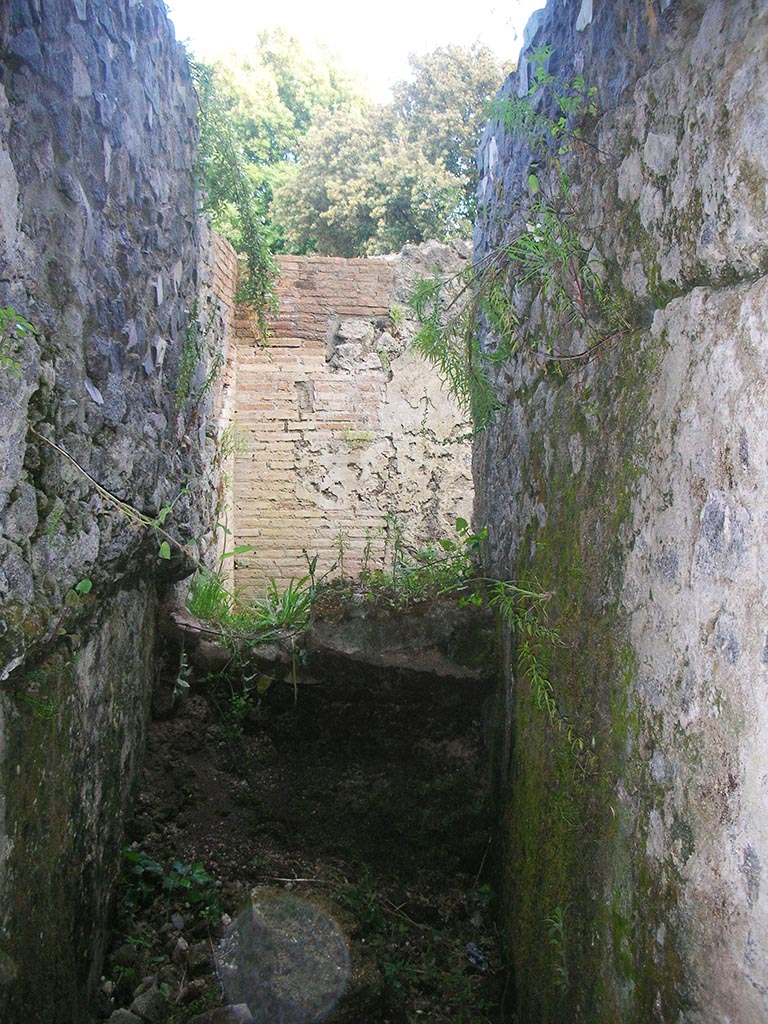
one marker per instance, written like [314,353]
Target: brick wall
[344,425]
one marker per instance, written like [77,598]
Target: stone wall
[633,490]
[343,426]
[101,249]
[217,286]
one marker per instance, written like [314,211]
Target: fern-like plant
[450,312]
[547,261]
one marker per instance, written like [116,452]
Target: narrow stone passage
[352,801]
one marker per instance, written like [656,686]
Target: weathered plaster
[349,434]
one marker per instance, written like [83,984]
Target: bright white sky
[373,40]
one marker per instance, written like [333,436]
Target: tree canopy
[444,107]
[338,175]
[356,190]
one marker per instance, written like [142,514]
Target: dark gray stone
[123,1016]
[97,203]
[150,1006]
[238,1014]
[435,649]
[26,47]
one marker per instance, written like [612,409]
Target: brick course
[331,453]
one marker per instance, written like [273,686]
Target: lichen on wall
[72,734]
[628,488]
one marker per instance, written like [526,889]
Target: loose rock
[150,1006]
[123,1016]
[239,1014]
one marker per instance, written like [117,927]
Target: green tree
[276,92]
[358,191]
[414,200]
[271,97]
[371,180]
[443,108]
[232,198]
[334,174]
[322,203]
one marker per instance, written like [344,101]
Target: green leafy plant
[449,313]
[208,598]
[367,551]
[362,899]
[145,880]
[416,575]
[230,192]
[285,608]
[14,329]
[415,959]
[192,351]
[157,523]
[555,923]
[357,438]
[523,608]
[234,440]
[43,709]
[546,262]
[288,608]
[238,695]
[397,318]
[239,705]
[144,876]
[340,551]
[529,117]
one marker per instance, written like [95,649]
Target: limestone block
[633,491]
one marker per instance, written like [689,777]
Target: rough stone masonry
[100,249]
[633,489]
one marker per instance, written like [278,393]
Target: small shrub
[14,328]
[144,880]
[443,567]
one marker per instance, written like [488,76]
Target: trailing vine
[231,196]
[521,606]
[137,519]
[193,348]
[547,265]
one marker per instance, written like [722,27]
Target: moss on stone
[567,833]
[64,802]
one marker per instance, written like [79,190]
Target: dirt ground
[342,824]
